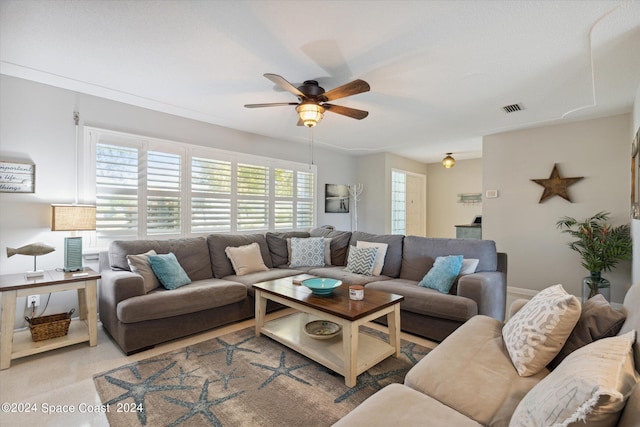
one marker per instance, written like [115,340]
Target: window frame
[187,152]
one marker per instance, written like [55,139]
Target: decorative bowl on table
[322,329]
[321,286]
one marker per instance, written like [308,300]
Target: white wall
[525,229]
[36,126]
[374,171]
[443,186]
[635,223]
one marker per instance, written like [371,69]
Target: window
[150,188]
[210,195]
[398,202]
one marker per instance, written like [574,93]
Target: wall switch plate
[33,300]
[491,194]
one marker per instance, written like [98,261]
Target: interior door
[416,206]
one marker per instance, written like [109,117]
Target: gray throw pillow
[597,320]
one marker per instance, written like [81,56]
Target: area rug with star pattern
[239,379]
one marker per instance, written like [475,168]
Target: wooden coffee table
[349,353]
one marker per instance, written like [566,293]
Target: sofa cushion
[169,271]
[192,254]
[393,257]
[398,405]
[597,320]
[348,278]
[420,253]
[250,279]
[277,243]
[591,385]
[139,264]
[380,255]
[428,302]
[444,272]
[536,333]
[246,259]
[220,264]
[307,251]
[471,372]
[196,296]
[361,260]
[339,243]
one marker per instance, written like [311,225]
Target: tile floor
[52,384]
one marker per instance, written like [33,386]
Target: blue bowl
[321,286]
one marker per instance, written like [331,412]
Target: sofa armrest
[488,289]
[117,285]
[516,306]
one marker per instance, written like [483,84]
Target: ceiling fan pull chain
[311,145]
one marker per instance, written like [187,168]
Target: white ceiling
[440,71]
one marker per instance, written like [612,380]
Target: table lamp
[73,218]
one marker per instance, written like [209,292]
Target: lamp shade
[310,113]
[73,217]
[448,162]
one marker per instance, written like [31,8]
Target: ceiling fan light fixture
[310,113]
[448,162]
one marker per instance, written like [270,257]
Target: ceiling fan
[313,99]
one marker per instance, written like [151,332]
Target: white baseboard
[514,292]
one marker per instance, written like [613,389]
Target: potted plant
[600,245]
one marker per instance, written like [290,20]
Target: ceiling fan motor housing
[311,89]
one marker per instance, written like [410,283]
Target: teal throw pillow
[443,273]
[168,270]
[361,260]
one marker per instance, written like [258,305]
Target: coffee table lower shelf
[289,331]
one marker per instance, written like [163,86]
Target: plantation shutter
[163,193]
[116,191]
[283,205]
[304,208]
[210,195]
[253,197]
[151,188]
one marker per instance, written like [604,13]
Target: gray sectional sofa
[139,319]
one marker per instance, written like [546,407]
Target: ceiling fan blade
[353,88]
[280,81]
[346,111]
[273,104]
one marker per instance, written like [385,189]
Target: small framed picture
[336,198]
[17,177]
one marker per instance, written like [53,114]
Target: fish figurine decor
[35,250]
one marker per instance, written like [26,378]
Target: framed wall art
[17,177]
[336,198]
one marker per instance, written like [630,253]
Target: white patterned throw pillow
[591,385]
[378,264]
[361,260]
[307,252]
[536,333]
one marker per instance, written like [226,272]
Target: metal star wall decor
[555,185]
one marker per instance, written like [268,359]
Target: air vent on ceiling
[512,108]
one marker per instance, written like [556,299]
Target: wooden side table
[19,344]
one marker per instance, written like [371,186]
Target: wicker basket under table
[47,327]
